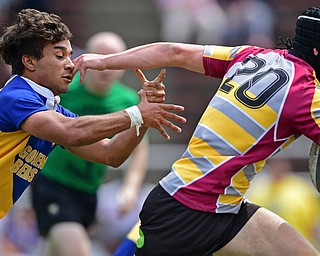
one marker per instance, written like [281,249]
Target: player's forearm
[121,146]
[148,56]
[158,55]
[86,130]
[112,152]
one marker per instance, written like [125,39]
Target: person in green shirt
[65,194]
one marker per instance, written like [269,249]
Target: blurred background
[225,22]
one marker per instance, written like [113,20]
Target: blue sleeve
[18,105]
[66,112]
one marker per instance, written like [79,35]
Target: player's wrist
[135,117]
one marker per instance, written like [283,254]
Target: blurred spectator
[5,72]
[112,228]
[4,11]
[290,196]
[191,21]
[72,12]
[19,230]
[41,5]
[250,22]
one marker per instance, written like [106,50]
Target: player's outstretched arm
[149,56]
[70,132]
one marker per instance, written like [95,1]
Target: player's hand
[155,89]
[156,115]
[89,60]
[126,200]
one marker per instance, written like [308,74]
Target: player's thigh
[267,234]
[69,239]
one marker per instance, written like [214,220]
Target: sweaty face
[54,69]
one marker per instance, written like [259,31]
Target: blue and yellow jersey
[22,156]
[267,98]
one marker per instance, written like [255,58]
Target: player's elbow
[115,164]
[72,142]
[174,53]
[73,139]
[114,161]
[179,54]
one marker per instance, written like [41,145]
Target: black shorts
[170,228]
[54,203]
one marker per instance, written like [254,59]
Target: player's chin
[64,88]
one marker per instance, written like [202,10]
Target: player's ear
[28,62]
[315,52]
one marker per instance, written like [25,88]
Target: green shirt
[68,169]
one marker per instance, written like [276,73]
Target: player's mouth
[67,78]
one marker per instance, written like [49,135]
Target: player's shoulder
[16,89]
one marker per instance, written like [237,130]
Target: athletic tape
[135,117]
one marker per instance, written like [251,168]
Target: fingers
[172,107]
[153,86]
[175,117]
[143,79]
[79,66]
[155,90]
[142,95]
[163,132]
[161,76]
[140,76]
[169,115]
[156,83]
[155,96]
[170,125]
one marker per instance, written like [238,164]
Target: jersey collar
[52,101]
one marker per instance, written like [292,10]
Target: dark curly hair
[30,32]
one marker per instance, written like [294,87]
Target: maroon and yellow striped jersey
[267,99]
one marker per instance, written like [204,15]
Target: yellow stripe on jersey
[201,148]
[264,120]
[229,199]
[227,129]
[14,143]
[222,52]
[240,182]
[316,101]
[187,170]
[259,165]
[288,142]
[6,184]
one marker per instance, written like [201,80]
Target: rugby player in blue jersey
[38,48]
